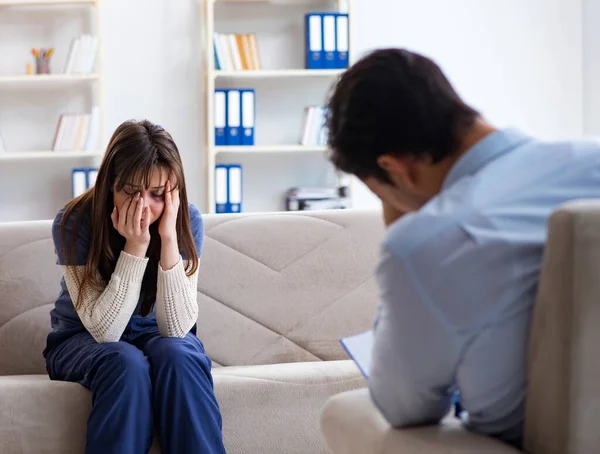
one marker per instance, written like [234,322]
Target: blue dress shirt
[458,279]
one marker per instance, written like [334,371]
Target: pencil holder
[42,66]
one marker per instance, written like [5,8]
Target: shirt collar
[483,152]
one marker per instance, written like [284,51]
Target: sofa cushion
[40,416]
[352,424]
[272,288]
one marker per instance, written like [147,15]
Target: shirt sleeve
[444,280]
[103,312]
[176,296]
[414,356]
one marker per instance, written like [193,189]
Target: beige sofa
[276,292]
[563,404]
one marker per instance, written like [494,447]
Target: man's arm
[414,355]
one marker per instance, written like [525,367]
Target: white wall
[591,67]
[518,61]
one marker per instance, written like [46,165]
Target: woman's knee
[124,362]
[172,352]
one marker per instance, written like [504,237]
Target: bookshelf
[288,77]
[33,104]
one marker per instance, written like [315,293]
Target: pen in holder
[42,60]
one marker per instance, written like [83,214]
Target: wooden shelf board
[45,2]
[275,2]
[270,149]
[28,155]
[48,78]
[272,73]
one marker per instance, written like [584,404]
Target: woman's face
[154,195]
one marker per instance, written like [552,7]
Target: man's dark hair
[394,101]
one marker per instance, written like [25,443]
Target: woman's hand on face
[131,221]
[167,228]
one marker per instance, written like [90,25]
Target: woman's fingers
[145,223]
[168,197]
[131,207]
[123,215]
[137,218]
[175,198]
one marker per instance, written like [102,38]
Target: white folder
[221,188]
[359,347]
[220,111]
[79,182]
[233,109]
[248,109]
[329,33]
[92,175]
[315,31]
[235,188]
[342,34]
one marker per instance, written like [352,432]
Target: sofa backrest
[273,288]
[563,397]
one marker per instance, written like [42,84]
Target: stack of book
[314,129]
[82,55]
[77,132]
[236,52]
[309,199]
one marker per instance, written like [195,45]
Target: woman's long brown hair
[134,151]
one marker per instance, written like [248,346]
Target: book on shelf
[309,199]
[314,130]
[236,52]
[82,55]
[77,132]
[327,40]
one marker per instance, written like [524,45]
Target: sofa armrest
[351,424]
[563,366]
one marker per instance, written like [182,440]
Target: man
[466,207]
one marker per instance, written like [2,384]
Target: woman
[124,323]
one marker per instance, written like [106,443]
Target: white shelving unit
[58,80]
[294,77]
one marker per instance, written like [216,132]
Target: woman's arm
[176,295]
[105,314]
[176,300]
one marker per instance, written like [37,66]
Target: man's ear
[397,169]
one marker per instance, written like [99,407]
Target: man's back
[458,279]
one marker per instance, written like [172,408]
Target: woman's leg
[185,406]
[118,375]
